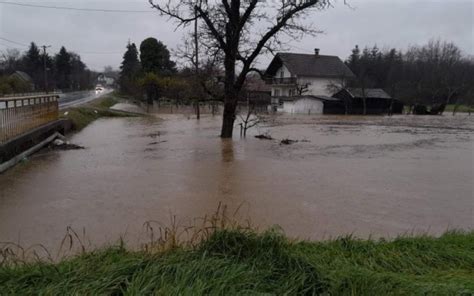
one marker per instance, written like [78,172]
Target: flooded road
[364,175]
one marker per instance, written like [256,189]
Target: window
[276,92]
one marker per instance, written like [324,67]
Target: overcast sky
[100,38]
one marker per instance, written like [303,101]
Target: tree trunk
[213,108]
[198,110]
[231,94]
[149,97]
[455,109]
[228,118]
[390,109]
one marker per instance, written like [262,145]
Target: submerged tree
[234,28]
[202,70]
[151,84]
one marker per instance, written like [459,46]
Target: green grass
[231,262]
[460,108]
[86,114]
[106,101]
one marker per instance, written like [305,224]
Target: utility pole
[196,42]
[44,68]
[196,49]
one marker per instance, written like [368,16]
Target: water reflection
[226,174]
[227,148]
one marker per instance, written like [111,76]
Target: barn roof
[326,98]
[321,98]
[310,65]
[369,93]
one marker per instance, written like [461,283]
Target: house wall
[282,90]
[318,86]
[304,106]
[286,72]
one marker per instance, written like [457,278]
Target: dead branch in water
[265,136]
[248,121]
[288,142]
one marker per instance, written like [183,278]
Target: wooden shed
[377,101]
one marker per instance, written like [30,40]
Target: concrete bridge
[27,123]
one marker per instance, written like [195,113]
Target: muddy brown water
[367,176]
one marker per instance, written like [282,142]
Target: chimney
[316,51]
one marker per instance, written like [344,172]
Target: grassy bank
[83,115]
[243,262]
[460,108]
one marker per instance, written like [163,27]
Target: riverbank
[241,261]
[83,115]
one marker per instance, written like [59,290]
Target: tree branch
[281,23]
[212,28]
[258,71]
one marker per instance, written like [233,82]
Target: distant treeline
[64,70]
[435,73]
[147,73]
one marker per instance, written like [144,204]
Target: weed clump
[282,270]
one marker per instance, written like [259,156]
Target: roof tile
[315,65]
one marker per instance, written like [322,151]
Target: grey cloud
[385,23]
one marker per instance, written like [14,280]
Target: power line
[79,52]
[91,52]
[8,46]
[14,42]
[76,9]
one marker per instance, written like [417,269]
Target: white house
[301,83]
[105,80]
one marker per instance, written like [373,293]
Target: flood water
[377,176]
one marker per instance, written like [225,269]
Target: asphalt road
[78,98]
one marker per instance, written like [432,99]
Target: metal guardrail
[19,115]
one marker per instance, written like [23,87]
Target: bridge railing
[29,94]
[19,115]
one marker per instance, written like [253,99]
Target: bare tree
[302,88]
[232,28]
[463,90]
[205,80]
[9,60]
[249,120]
